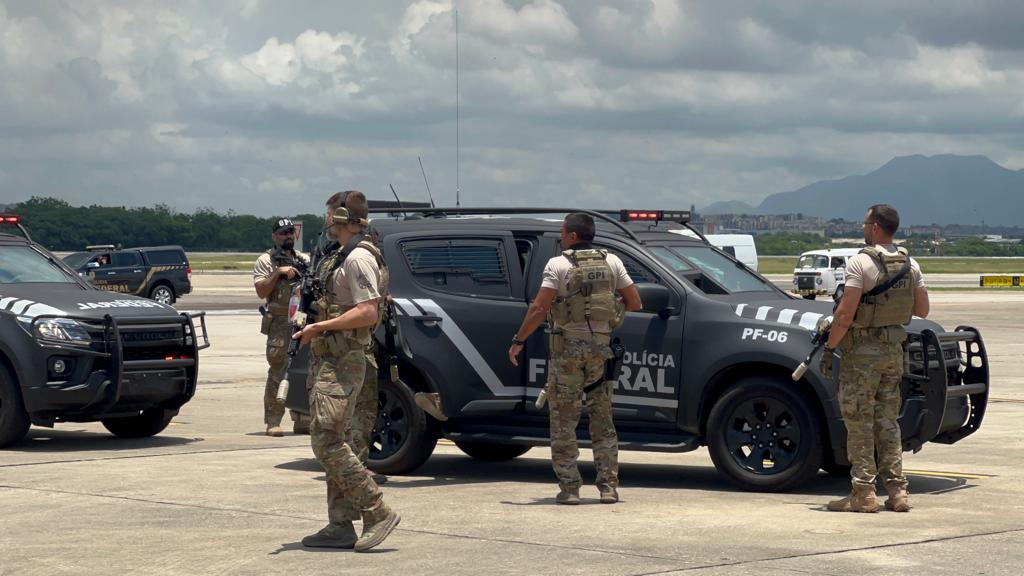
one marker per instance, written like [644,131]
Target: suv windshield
[693,261]
[23,265]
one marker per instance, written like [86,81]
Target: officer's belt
[886,334]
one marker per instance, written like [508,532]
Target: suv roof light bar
[14,220]
[599,215]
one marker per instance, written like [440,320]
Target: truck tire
[403,436]
[14,421]
[149,423]
[764,435]
[162,293]
[490,451]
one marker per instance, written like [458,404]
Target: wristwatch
[516,340]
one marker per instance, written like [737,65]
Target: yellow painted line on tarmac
[1010,400]
[963,475]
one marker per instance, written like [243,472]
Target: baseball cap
[283,225]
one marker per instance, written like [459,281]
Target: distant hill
[944,189]
[731,207]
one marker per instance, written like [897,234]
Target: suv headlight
[61,330]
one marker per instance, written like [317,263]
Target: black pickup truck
[70,352]
[708,359]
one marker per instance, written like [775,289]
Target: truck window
[812,261]
[23,265]
[708,270]
[838,262]
[129,258]
[166,257]
[460,266]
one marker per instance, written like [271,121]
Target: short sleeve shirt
[556,275]
[862,270]
[264,266]
[358,279]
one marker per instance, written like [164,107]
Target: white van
[739,246]
[822,272]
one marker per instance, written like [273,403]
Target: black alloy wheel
[403,436]
[763,435]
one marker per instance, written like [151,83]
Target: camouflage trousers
[573,365]
[360,435]
[335,380]
[869,396]
[277,354]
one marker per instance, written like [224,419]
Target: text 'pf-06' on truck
[70,352]
[708,358]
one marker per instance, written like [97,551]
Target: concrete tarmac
[213,495]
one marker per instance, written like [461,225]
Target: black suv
[70,352]
[709,357]
[161,273]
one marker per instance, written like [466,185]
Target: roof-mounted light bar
[677,216]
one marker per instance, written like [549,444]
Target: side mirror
[93,265]
[655,299]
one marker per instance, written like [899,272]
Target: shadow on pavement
[451,469]
[43,440]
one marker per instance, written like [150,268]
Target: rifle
[818,339]
[302,303]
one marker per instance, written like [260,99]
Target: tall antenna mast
[424,172]
[457,149]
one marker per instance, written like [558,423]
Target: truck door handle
[427,319]
[111,273]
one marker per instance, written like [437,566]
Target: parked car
[708,359]
[160,273]
[70,352]
[822,272]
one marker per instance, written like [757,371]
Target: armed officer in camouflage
[275,275]
[579,295]
[349,306]
[884,287]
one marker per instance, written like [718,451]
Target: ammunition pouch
[556,342]
[265,323]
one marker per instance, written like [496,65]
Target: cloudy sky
[266,107]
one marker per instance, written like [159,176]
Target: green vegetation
[59,226]
[784,265]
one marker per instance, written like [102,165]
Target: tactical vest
[326,300]
[277,302]
[591,295]
[894,306]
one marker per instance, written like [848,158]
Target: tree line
[59,226]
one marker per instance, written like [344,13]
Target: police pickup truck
[708,358]
[70,352]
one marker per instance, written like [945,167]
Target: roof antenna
[396,197]
[457,149]
[422,171]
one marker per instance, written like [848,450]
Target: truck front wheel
[403,436]
[14,421]
[764,435]
[148,423]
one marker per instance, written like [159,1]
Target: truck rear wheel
[14,421]
[149,423]
[403,436]
[491,452]
[764,435]
[162,293]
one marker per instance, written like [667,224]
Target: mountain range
[943,189]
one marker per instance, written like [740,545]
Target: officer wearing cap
[350,304]
[580,295]
[275,276]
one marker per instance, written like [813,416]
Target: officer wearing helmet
[275,275]
[350,304]
[580,296]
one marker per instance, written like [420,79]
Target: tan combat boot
[334,535]
[569,496]
[377,528]
[609,495]
[431,404]
[275,431]
[861,499]
[898,500]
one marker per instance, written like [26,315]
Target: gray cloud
[266,107]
